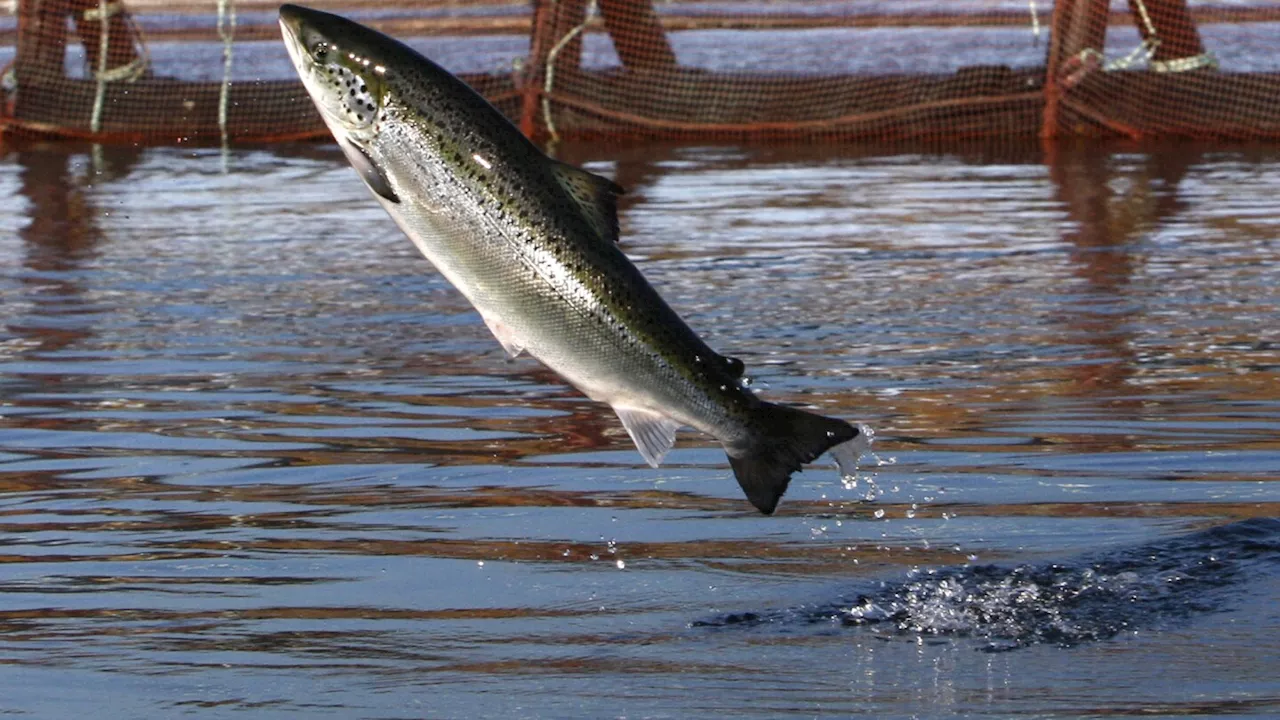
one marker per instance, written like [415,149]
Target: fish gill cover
[1094,597]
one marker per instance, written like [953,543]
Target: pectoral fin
[369,171]
[653,433]
[504,335]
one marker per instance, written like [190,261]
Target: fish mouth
[296,24]
[298,30]
[291,19]
[331,82]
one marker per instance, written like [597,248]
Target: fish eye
[320,51]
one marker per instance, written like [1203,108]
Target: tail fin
[783,440]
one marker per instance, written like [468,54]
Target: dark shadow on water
[61,238]
[1107,228]
[1091,598]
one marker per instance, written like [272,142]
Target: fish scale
[532,244]
[616,308]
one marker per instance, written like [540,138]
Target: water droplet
[879,514]
[479,563]
[621,565]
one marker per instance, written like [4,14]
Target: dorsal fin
[595,196]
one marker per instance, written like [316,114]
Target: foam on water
[1062,603]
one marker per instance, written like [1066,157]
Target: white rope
[135,68]
[104,44]
[1143,52]
[1035,21]
[1186,64]
[128,72]
[551,69]
[1146,51]
[1146,20]
[226,31]
[1194,62]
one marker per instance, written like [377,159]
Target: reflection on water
[255,455]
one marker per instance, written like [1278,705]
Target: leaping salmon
[532,244]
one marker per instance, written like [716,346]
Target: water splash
[1094,598]
[847,456]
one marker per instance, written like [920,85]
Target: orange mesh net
[203,70]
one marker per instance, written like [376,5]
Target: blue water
[257,459]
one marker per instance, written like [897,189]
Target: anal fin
[653,433]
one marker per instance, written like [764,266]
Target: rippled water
[255,456]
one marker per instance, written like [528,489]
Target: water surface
[256,456]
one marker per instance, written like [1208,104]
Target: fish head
[394,112]
[340,66]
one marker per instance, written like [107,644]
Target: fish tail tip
[784,439]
